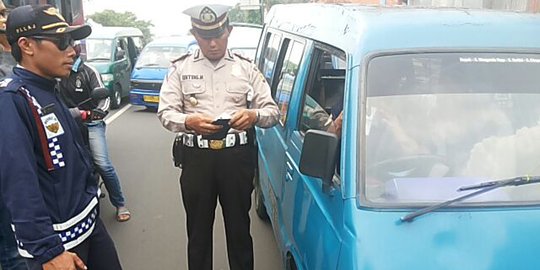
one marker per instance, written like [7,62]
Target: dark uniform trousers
[97,251]
[227,175]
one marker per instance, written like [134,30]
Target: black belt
[231,140]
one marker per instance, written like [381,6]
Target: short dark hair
[16,52]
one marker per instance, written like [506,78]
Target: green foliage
[245,16]
[255,16]
[270,3]
[127,19]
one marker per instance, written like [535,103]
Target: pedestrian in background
[76,92]
[6,60]
[204,94]
[47,179]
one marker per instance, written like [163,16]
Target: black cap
[25,21]
[209,21]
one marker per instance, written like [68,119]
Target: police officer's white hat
[209,21]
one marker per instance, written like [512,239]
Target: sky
[166,15]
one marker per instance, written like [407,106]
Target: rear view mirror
[319,155]
[99,93]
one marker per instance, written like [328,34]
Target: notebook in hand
[222,133]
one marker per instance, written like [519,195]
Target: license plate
[153,99]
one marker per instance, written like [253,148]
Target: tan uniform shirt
[195,85]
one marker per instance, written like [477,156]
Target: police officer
[46,174]
[210,84]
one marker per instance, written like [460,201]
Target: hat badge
[207,15]
[54,12]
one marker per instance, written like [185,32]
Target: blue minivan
[152,66]
[437,161]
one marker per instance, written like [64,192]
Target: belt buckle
[216,144]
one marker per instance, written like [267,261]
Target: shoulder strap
[184,56]
[242,57]
[17,86]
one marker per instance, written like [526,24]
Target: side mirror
[318,158]
[121,54]
[99,93]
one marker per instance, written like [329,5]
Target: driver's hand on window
[336,125]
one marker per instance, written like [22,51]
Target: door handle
[289,173]
[289,166]
[288,177]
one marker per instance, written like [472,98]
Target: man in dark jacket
[46,174]
[76,92]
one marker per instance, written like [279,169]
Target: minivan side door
[315,220]
[272,154]
[122,66]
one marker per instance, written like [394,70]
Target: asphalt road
[155,237]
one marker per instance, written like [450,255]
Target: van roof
[349,26]
[180,41]
[113,31]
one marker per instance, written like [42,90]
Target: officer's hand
[65,261]
[201,124]
[243,119]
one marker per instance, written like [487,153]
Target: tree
[127,19]
[269,3]
[245,16]
[254,16]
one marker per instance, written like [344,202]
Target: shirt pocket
[193,93]
[238,93]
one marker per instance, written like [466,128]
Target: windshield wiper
[483,188]
[97,59]
[148,65]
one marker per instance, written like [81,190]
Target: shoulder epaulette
[184,56]
[10,85]
[242,57]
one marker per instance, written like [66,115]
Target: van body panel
[336,228]
[145,86]
[352,25]
[462,239]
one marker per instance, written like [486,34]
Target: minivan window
[270,56]
[323,97]
[159,56]
[437,121]
[98,49]
[287,77]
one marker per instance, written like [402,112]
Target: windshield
[435,122]
[159,57]
[245,52]
[98,49]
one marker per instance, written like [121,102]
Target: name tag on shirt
[53,128]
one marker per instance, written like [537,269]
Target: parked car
[438,106]
[152,66]
[244,39]
[113,52]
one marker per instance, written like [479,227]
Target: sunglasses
[62,43]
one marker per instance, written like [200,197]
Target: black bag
[178,150]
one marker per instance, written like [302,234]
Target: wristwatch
[258,117]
